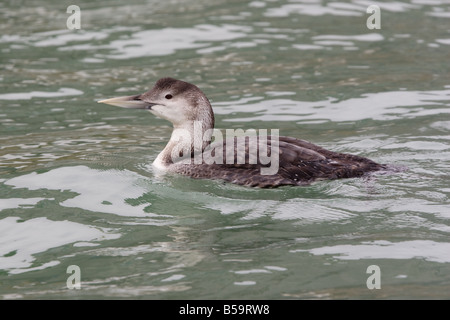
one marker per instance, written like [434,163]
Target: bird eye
[168,96]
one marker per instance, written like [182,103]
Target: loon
[298,162]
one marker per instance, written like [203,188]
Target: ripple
[62,92]
[419,249]
[99,191]
[419,145]
[60,37]
[174,277]
[12,203]
[441,125]
[347,39]
[357,8]
[23,239]
[245,283]
[313,9]
[148,42]
[251,271]
[300,209]
[389,105]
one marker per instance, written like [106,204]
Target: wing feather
[300,162]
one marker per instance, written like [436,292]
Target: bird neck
[187,139]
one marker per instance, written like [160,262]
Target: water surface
[77,186]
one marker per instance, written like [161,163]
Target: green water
[77,186]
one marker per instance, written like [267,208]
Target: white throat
[186,138]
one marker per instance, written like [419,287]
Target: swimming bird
[264,161]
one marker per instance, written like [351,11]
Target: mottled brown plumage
[300,163]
